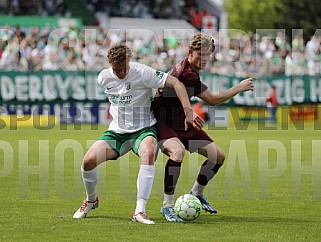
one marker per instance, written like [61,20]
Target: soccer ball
[188,207]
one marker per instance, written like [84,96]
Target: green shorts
[123,143]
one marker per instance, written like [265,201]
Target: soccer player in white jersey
[128,86]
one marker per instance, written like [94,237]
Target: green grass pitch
[268,190]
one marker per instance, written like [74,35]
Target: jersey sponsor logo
[121,100]
[159,74]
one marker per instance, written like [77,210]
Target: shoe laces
[172,213]
[84,205]
[144,215]
[203,199]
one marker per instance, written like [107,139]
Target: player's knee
[148,156]
[147,152]
[220,157]
[148,149]
[89,163]
[177,154]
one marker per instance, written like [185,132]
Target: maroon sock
[207,172]
[172,172]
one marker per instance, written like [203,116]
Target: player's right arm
[215,98]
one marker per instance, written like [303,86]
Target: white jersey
[131,97]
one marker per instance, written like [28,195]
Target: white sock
[90,179]
[168,200]
[145,181]
[197,189]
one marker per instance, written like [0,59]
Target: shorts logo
[159,74]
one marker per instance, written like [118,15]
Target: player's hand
[192,118]
[247,84]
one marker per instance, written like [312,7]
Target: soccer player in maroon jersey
[174,140]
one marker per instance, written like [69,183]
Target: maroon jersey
[166,106]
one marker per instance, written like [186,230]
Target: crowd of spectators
[268,55]
[244,55]
[159,9]
[34,7]
[48,49]
[162,9]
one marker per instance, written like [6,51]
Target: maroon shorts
[192,139]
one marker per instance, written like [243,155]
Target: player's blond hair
[202,42]
[119,53]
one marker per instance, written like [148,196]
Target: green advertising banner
[36,21]
[49,87]
[291,90]
[62,86]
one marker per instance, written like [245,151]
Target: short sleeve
[193,84]
[100,79]
[154,78]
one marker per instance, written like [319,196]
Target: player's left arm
[181,93]
[215,98]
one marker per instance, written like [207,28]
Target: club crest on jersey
[159,74]
[127,85]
